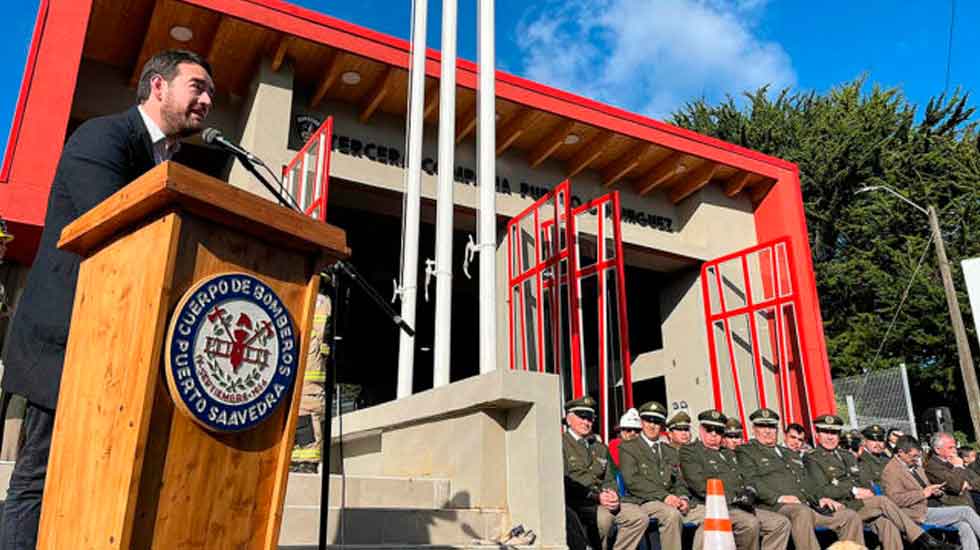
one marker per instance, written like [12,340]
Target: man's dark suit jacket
[102,156]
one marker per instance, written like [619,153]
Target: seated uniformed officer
[590,482]
[704,459]
[679,430]
[873,458]
[837,474]
[782,485]
[794,436]
[652,473]
[733,434]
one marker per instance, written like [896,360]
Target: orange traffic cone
[717,525]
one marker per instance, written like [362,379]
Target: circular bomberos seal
[231,352]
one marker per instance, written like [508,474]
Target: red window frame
[311,193]
[553,223]
[779,289]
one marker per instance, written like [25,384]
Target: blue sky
[650,56]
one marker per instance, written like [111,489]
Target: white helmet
[631,419]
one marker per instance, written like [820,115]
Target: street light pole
[956,316]
[967,369]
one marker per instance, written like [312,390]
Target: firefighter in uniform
[782,485]
[837,474]
[705,459]
[309,438]
[591,496]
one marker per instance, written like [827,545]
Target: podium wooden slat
[127,470]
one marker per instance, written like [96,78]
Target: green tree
[866,247]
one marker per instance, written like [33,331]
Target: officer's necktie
[915,474]
[840,459]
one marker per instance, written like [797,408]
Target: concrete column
[503,302]
[263,127]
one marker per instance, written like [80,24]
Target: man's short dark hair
[906,443]
[166,65]
[795,427]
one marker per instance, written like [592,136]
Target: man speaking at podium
[175,92]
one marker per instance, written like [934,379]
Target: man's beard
[178,120]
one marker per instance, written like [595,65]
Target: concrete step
[370,492]
[361,491]
[391,527]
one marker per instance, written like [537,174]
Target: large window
[754,342]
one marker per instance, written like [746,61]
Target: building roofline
[535,94]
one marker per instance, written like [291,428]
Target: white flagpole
[413,187]
[444,202]
[486,175]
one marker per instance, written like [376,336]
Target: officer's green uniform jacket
[871,467]
[730,454]
[588,470]
[699,463]
[774,474]
[835,473]
[650,473]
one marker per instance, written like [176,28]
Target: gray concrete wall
[496,437]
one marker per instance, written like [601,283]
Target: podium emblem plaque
[231,352]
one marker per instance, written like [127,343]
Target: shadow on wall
[455,523]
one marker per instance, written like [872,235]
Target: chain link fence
[880,397]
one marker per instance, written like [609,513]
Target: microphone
[213,136]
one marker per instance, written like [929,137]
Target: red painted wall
[781,213]
[37,133]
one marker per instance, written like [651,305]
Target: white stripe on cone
[717,524]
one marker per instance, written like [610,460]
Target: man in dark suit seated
[175,92]
[945,466]
[905,482]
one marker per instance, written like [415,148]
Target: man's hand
[831,504]
[935,489]
[685,506]
[966,487]
[674,501]
[862,493]
[609,500]
[788,499]
[956,461]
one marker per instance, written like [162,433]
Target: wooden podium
[128,468]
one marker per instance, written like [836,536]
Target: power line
[949,47]
[905,296]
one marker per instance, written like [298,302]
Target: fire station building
[635,259]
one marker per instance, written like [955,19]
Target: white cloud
[651,55]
